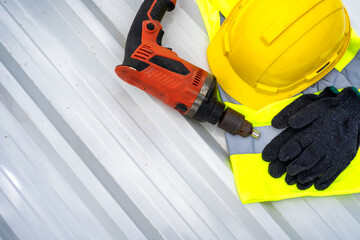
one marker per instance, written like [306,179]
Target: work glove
[271,152]
[322,150]
[327,141]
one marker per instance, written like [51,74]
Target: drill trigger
[159,37]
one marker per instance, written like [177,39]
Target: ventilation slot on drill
[198,77]
[143,58]
[144,52]
[134,78]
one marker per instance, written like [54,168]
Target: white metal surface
[83,155]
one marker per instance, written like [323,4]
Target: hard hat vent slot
[327,64]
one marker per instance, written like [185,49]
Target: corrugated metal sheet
[85,156]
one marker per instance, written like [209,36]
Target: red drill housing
[161,73]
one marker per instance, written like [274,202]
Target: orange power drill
[160,72]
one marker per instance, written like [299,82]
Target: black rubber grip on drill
[134,37]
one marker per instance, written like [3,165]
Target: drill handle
[149,10]
[157,9]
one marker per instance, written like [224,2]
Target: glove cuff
[329,92]
[350,101]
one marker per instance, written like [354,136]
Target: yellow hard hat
[271,50]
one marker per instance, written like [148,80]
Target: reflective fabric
[353,48]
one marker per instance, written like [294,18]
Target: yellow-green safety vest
[253,182]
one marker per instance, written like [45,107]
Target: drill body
[161,73]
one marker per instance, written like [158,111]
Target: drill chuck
[209,109]
[235,123]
